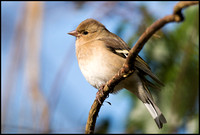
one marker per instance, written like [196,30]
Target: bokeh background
[43,90]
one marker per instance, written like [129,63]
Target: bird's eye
[85,32]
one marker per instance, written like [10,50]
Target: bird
[101,54]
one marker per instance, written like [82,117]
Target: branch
[128,67]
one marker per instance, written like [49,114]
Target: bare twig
[128,67]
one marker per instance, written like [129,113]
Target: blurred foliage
[174,57]
[103,128]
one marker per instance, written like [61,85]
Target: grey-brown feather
[113,44]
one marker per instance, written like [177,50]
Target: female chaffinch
[101,54]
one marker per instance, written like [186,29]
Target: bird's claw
[99,92]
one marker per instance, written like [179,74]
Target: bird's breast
[97,65]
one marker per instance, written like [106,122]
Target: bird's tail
[141,90]
[151,106]
[155,113]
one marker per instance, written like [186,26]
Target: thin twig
[128,67]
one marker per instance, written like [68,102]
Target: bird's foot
[99,93]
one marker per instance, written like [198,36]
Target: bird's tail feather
[155,113]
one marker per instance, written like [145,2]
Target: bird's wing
[119,47]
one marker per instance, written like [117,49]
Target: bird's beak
[74,33]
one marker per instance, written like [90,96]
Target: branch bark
[128,67]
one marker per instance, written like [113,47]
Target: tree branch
[128,67]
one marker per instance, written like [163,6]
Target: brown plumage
[101,54]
